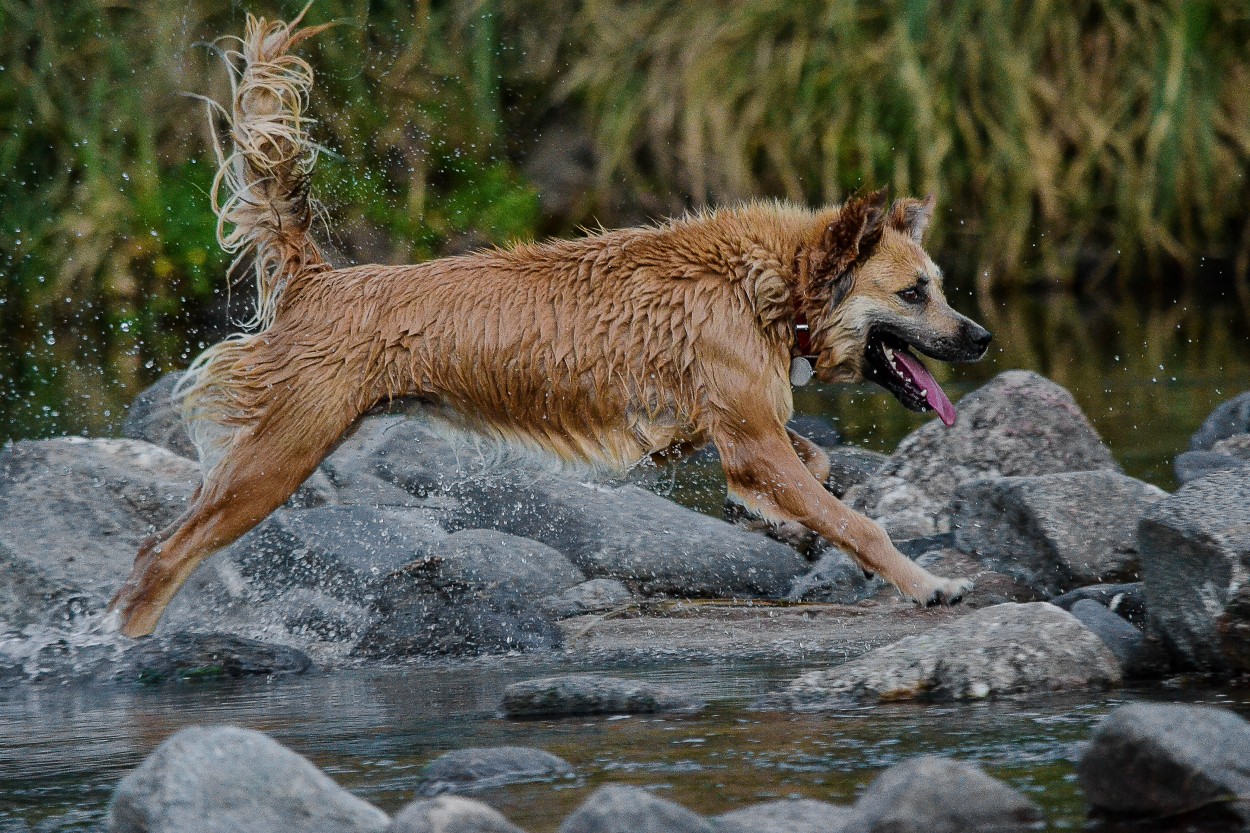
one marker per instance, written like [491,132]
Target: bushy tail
[264,211]
[261,192]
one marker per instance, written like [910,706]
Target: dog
[610,349]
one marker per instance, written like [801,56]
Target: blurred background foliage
[1096,146]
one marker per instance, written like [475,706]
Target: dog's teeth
[924,392]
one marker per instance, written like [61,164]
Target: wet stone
[849,466]
[930,794]
[1228,419]
[835,579]
[1139,656]
[1127,600]
[616,808]
[450,814]
[594,596]
[582,694]
[793,815]
[225,779]
[480,768]
[995,651]
[1164,759]
[186,657]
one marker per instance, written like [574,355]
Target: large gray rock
[1139,656]
[156,418]
[607,531]
[789,815]
[1228,419]
[1125,600]
[203,656]
[1164,759]
[1054,532]
[485,557]
[1195,550]
[1229,453]
[1018,424]
[930,794]
[74,513]
[616,808]
[834,579]
[226,779]
[849,466]
[480,768]
[450,814]
[1004,649]
[594,596]
[576,694]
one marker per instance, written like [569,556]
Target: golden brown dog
[624,345]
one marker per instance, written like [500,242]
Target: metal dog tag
[800,371]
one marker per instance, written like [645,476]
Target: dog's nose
[979,336]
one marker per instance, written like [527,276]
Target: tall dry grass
[1063,138]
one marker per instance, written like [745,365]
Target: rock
[476,768]
[1195,550]
[450,814]
[1237,446]
[849,466]
[203,656]
[616,808]
[835,579]
[1139,657]
[792,815]
[1228,419]
[594,596]
[75,512]
[1165,759]
[1054,532]
[353,467]
[576,694]
[227,779]
[1005,649]
[1194,465]
[992,588]
[1127,600]
[485,558]
[929,794]
[1018,424]
[815,428]
[156,418]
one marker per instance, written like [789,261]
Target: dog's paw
[948,591]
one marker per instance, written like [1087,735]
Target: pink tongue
[933,391]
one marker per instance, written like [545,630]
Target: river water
[63,749]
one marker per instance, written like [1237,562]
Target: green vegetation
[1068,142]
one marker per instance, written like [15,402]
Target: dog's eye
[912,294]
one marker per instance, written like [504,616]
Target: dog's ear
[911,216]
[849,239]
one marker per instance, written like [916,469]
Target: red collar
[802,336]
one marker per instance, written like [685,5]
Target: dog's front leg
[764,472]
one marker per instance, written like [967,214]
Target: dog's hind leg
[764,472]
[265,463]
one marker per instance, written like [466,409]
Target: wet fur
[622,345]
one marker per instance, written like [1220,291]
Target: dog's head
[874,299]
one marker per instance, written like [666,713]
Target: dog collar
[801,355]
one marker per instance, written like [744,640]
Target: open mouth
[891,364]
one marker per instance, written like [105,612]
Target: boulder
[789,815]
[1195,550]
[1194,465]
[849,466]
[203,656]
[616,808]
[930,794]
[1165,759]
[227,779]
[999,650]
[1126,600]
[485,558]
[156,418]
[1016,425]
[1138,655]
[1054,532]
[480,768]
[75,512]
[992,587]
[835,579]
[577,694]
[1228,419]
[450,814]
[594,596]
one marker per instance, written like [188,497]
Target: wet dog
[610,349]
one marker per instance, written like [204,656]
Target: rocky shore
[413,543]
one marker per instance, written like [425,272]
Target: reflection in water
[63,750]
